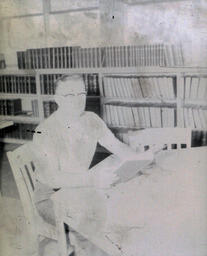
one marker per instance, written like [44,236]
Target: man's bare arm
[123,151]
[115,146]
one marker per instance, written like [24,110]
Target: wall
[169,22]
[172,22]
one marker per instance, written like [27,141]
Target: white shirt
[67,148]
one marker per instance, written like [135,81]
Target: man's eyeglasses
[73,94]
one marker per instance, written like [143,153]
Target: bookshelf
[127,98]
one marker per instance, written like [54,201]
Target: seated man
[65,143]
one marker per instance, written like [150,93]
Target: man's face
[71,96]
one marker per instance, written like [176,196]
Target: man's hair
[70,77]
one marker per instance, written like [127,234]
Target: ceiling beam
[93,8]
[145,2]
[21,16]
[76,10]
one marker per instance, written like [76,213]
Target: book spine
[4,84]
[23,60]
[58,52]
[45,57]
[24,84]
[61,57]
[55,58]
[53,83]
[32,59]
[187,87]
[52,57]
[41,84]
[202,90]
[67,57]
[1,83]
[4,107]
[194,88]
[29,59]
[19,60]
[46,108]
[103,57]
[8,84]
[35,58]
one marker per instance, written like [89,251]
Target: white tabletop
[161,212]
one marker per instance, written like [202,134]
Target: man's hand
[105,179]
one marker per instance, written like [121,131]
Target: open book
[124,170]
[130,169]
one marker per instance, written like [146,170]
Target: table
[162,212]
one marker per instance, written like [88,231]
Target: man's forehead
[70,87]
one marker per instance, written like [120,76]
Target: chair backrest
[168,138]
[23,170]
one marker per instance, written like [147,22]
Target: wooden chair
[168,138]
[23,168]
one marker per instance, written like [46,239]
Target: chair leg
[62,244]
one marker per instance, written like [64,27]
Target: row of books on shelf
[17,84]
[35,108]
[199,138]
[92,84]
[92,104]
[47,83]
[174,55]
[194,118]
[139,87]
[52,57]
[10,106]
[19,131]
[49,107]
[139,117]
[111,56]
[194,88]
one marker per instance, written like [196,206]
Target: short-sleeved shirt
[68,148]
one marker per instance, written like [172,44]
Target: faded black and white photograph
[103,128]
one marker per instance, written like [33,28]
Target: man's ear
[57,99]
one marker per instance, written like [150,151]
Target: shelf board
[17,95]
[129,70]
[13,141]
[22,119]
[188,103]
[51,97]
[139,102]
[16,71]
[4,124]
[124,128]
[139,70]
